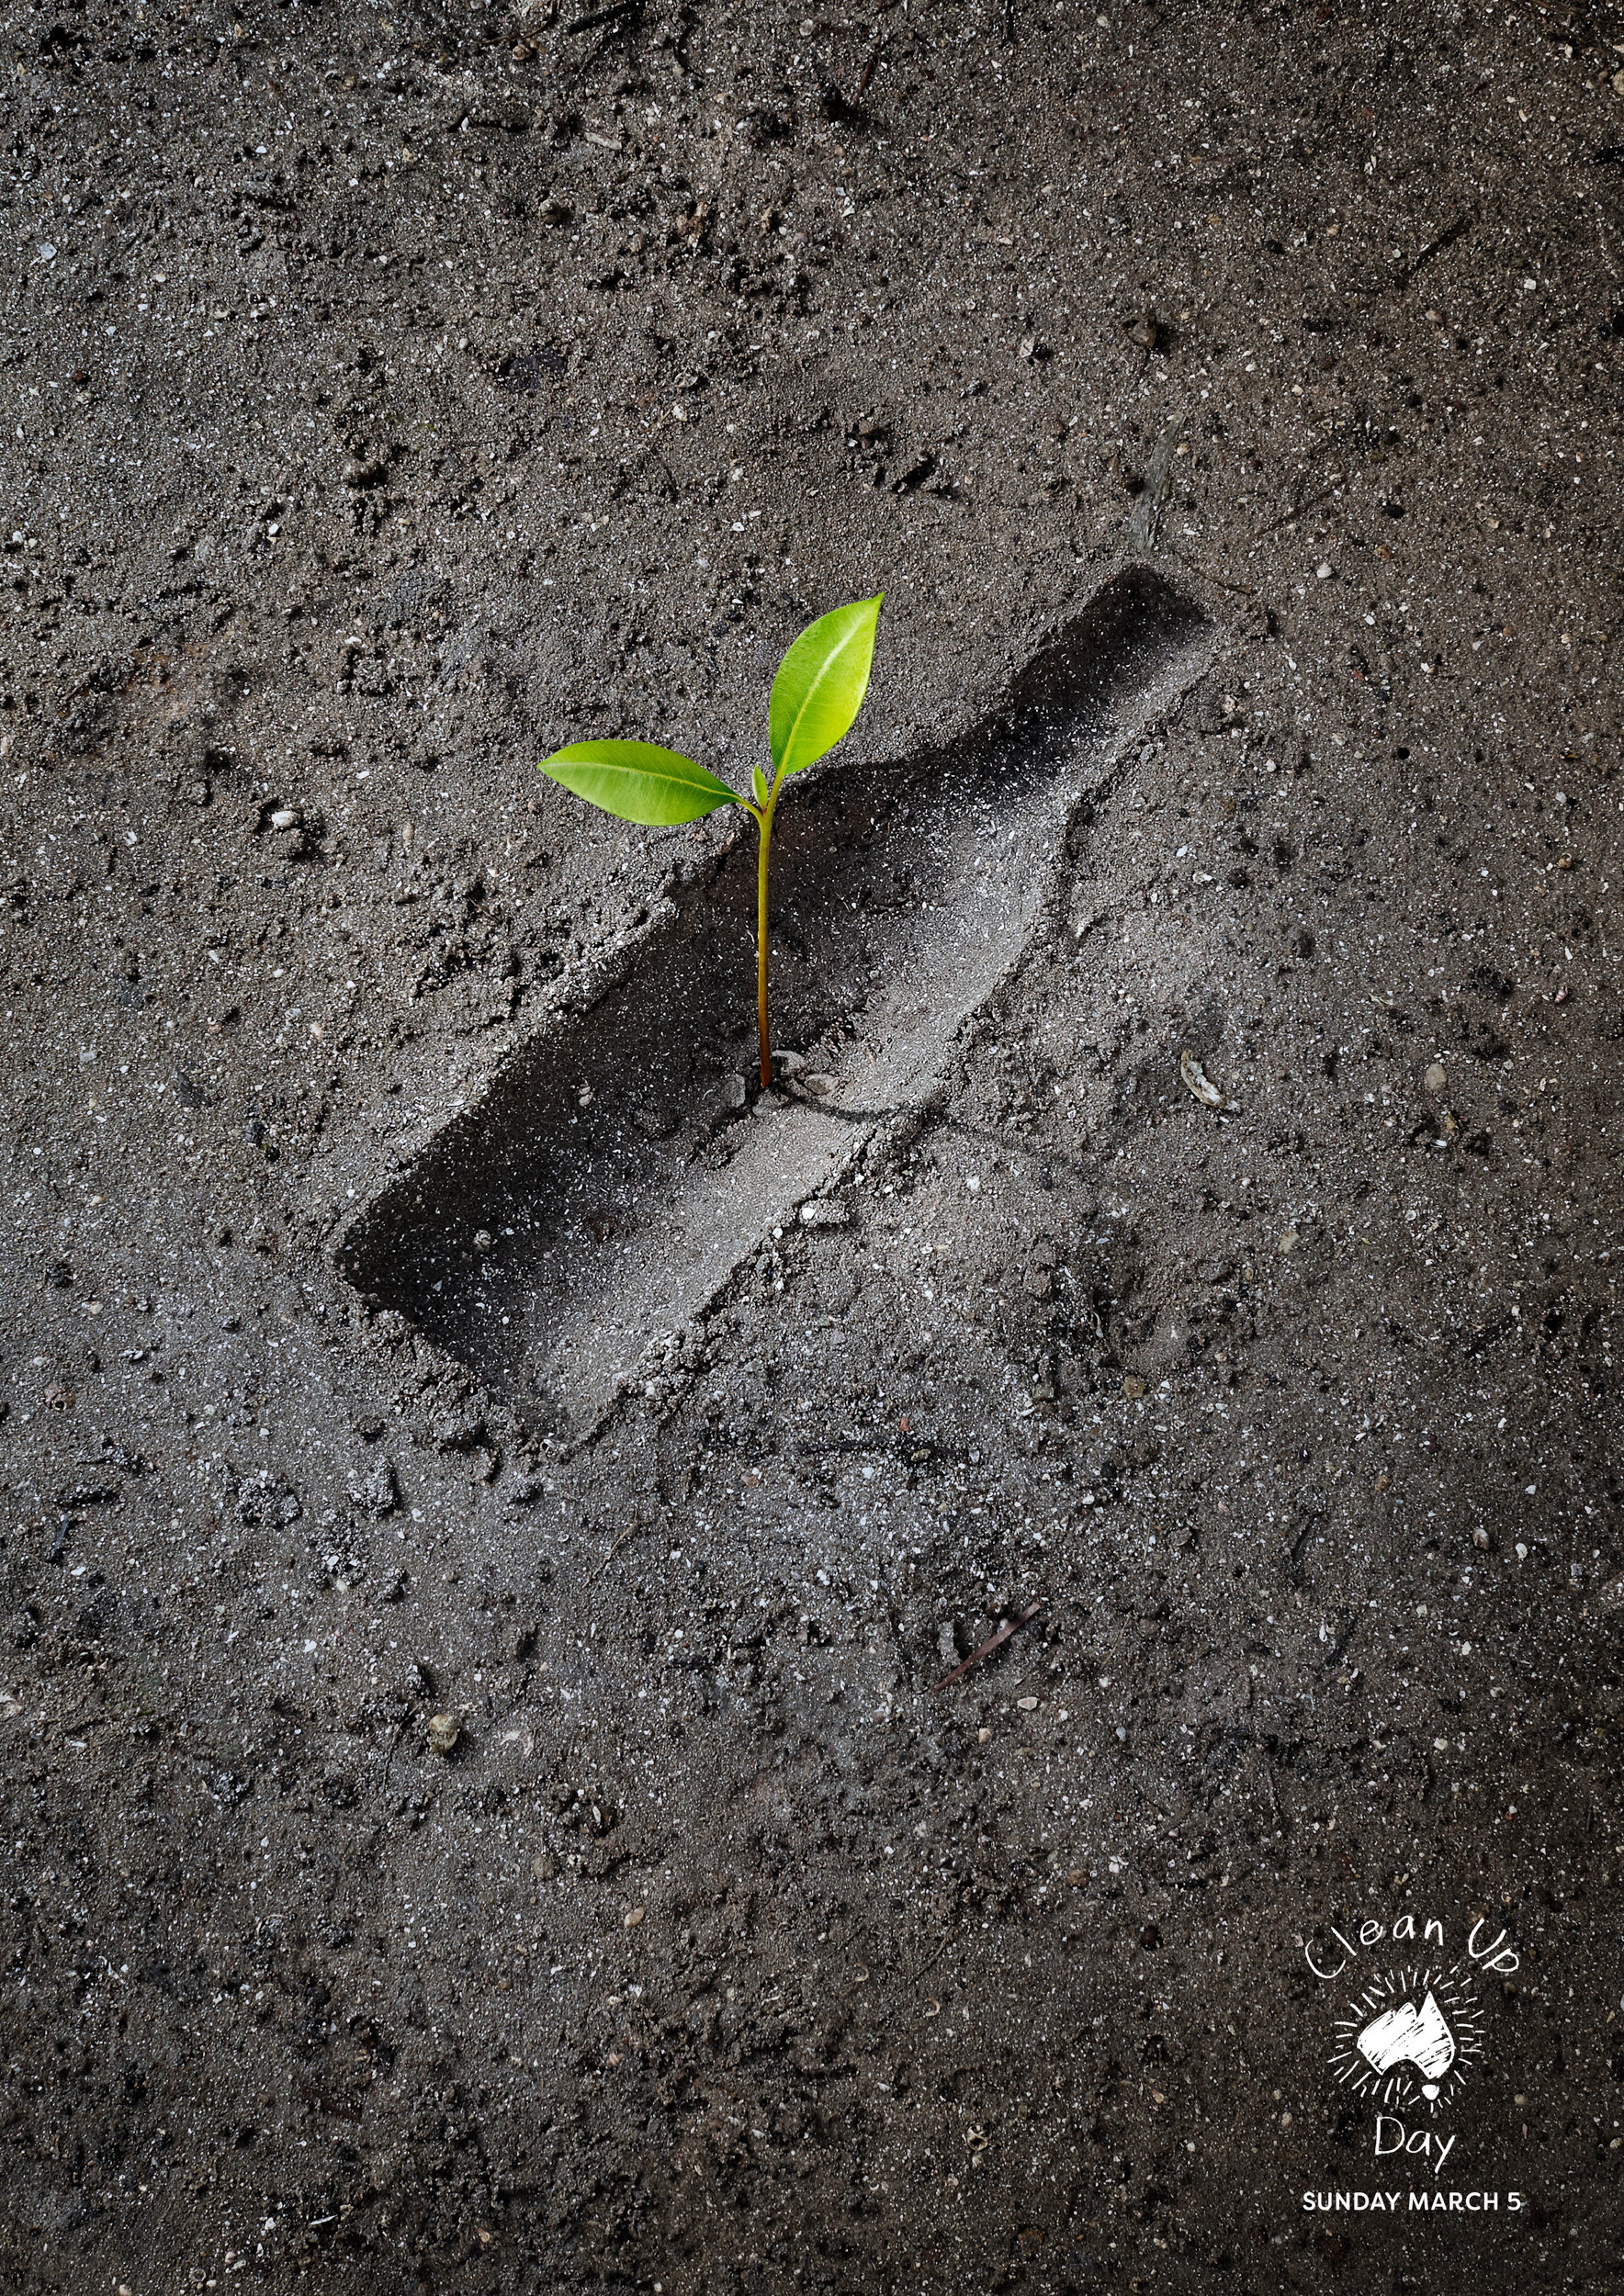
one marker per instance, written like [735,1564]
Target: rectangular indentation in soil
[598,1193]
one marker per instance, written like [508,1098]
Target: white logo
[1411,2037]
[1410,2032]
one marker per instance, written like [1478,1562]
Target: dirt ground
[487,1516]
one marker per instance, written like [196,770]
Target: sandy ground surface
[480,1810]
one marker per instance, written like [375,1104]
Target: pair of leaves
[815,697]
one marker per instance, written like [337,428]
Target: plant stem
[764,827]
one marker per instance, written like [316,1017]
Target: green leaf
[820,685]
[637,781]
[758,784]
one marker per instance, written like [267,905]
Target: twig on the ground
[1446,237]
[1309,502]
[619,1542]
[602,15]
[992,1643]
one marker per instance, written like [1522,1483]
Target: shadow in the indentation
[597,1192]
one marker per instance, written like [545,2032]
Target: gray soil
[488,1507]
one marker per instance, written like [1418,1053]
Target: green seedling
[815,697]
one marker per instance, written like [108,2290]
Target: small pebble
[733,1092]
[819,1087]
[1323,571]
[444,1732]
[1436,1078]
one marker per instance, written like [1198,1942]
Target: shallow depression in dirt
[615,1173]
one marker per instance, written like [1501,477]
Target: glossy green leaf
[759,784]
[820,685]
[637,781]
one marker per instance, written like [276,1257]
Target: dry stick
[1287,517]
[602,15]
[1446,237]
[992,1643]
[619,1542]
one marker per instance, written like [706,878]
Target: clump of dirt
[488,1807]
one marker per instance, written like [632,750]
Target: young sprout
[815,697]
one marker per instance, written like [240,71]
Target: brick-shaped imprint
[600,1191]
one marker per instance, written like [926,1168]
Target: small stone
[788,1064]
[1287,1243]
[444,1732]
[1436,1078]
[820,1086]
[733,1092]
[1027,1705]
[824,1212]
[1132,1386]
[1323,571]
[634,1916]
[377,1492]
[544,1866]
[484,1241]
[285,818]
